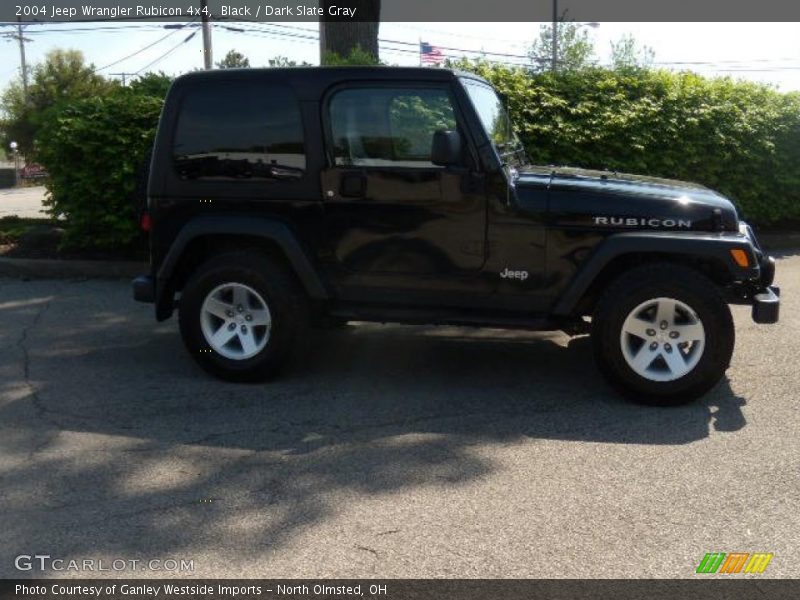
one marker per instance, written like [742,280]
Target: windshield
[495,121]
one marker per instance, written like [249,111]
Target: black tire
[285,301]
[663,280]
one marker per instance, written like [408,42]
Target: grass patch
[24,237]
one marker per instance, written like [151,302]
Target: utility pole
[207,53]
[123,76]
[23,66]
[555,37]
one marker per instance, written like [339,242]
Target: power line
[404,51]
[308,35]
[309,30]
[772,70]
[743,63]
[134,18]
[167,53]
[525,58]
[312,38]
[139,51]
[482,51]
[722,62]
[101,29]
[404,43]
[441,32]
[718,69]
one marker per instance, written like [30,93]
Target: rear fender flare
[267,229]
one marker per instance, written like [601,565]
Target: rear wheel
[240,316]
[663,334]
[235,321]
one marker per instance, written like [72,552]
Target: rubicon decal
[734,562]
[643,222]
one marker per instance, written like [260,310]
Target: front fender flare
[701,245]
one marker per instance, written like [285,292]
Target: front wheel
[663,334]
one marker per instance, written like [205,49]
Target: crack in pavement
[366,549]
[40,409]
[388,532]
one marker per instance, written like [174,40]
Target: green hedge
[739,138]
[93,151]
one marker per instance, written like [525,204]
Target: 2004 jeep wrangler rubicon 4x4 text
[279,197]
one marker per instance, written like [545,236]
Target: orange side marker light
[740,256]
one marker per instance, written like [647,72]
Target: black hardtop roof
[322,77]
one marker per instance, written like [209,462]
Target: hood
[606,199]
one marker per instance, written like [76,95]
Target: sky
[765,52]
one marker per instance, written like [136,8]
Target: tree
[92,150]
[63,77]
[575,49]
[234,60]
[282,62]
[16,125]
[152,84]
[343,36]
[626,53]
[357,57]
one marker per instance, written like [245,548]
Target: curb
[35,268]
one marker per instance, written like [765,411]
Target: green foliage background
[60,78]
[739,138]
[94,150]
[356,58]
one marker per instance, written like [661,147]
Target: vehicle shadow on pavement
[115,442]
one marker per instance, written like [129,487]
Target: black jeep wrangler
[280,197]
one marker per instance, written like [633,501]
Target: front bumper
[766,305]
[765,298]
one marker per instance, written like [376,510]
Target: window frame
[465,81]
[300,186]
[402,84]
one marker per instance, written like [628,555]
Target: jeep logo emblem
[509,274]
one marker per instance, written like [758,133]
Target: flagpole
[419,49]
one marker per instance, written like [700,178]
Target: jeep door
[395,221]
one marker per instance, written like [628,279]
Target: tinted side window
[388,126]
[239,130]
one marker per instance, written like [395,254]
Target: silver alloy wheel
[235,321]
[662,339]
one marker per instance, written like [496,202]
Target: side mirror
[446,149]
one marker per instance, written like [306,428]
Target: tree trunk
[342,35]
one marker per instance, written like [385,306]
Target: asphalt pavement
[387,451]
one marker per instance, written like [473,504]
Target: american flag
[430,54]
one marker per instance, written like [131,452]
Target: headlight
[747,231]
